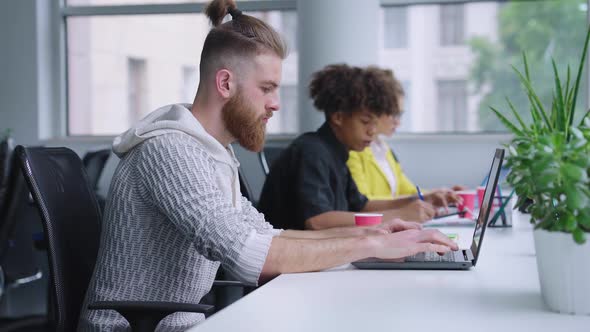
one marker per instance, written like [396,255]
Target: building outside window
[452,27]
[121,66]
[190,82]
[137,91]
[452,106]
[396,27]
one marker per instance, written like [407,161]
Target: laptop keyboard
[431,257]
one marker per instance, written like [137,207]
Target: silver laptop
[453,260]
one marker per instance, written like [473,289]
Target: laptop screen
[485,205]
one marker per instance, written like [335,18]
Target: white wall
[18,65]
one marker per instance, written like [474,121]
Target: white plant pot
[564,272]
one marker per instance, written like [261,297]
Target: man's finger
[427,247]
[411,225]
[436,237]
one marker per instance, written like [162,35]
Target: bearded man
[174,212]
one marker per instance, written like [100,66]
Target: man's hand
[397,225]
[411,242]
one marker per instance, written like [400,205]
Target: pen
[419,193]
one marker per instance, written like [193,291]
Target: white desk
[500,294]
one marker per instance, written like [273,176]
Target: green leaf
[574,172]
[534,99]
[560,116]
[584,117]
[516,115]
[569,223]
[578,78]
[579,236]
[583,218]
[507,122]
[576,199]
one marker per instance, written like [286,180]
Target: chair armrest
[144,306]
[13,282]
[228,283]
[145,316]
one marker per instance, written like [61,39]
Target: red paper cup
[367,219]
[468,202]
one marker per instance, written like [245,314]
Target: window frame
[60,11]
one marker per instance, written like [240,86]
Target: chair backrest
[245,188]
[19,220]
[269,155]
[94,162]
[6,152]
[71,221]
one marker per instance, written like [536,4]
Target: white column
[333,31]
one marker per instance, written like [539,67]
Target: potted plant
[549,161]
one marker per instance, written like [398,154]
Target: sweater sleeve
[179,179]
[256,219]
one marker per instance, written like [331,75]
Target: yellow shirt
[371,180]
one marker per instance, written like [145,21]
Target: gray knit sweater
[173,215]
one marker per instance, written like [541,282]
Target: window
[406,118]
[136,89]
[396,27]
[461,66]
[451,25]
[190,82]
[452,106]
[289,28]
[289,115]
[122,66]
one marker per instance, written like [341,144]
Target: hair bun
[216,10]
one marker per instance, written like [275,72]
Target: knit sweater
[174,213]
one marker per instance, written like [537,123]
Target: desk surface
[500,294]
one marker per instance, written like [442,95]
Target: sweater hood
[172,119]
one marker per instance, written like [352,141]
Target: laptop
[461,259]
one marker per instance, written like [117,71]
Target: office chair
[94,162]
[71,219]
[268,156]
[18,218]
[245,188]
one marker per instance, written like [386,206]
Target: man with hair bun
[309,185]
[175,214]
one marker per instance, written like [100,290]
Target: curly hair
[344,88]
[396,87]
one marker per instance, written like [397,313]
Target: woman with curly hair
[310,186]
[376,170]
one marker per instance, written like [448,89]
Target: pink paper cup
[468,205]
[367,219]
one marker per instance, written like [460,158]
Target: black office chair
[18,220]
[268,156]
[72,221]
[245,188]
[94,162]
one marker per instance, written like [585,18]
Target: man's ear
[224,83]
